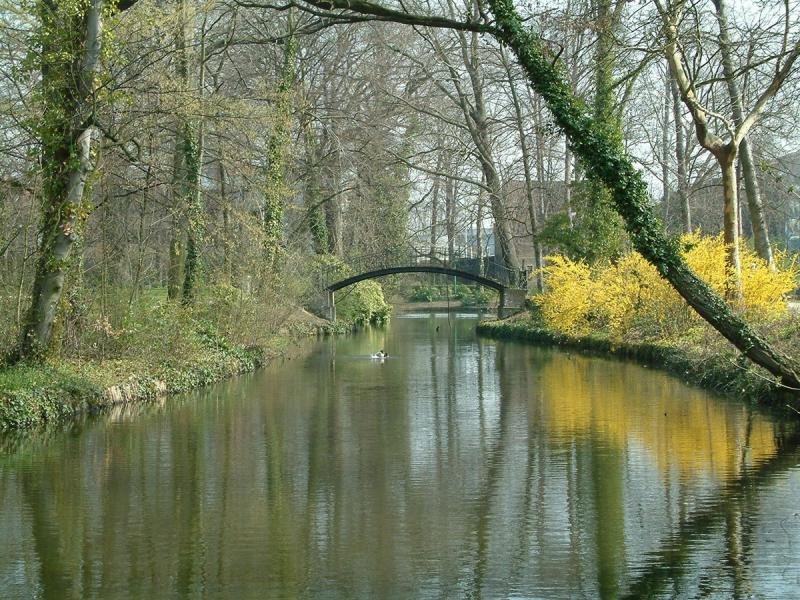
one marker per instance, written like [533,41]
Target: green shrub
[480,296]
[424,293]
[324,269]
[461,292]
[363,303]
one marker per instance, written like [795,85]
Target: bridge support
[331,305]
[502,304]
[512,301]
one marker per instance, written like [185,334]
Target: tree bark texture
[437,184]
[682,169]
[479,129]
[730,213]
[666,196]
[754,204]
[70,56]
[526,167]
[450,219]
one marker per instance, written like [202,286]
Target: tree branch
[381,13]
[777,81]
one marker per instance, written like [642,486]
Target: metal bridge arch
[485,281]
[507,292]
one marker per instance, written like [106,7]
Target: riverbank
[35,395]
[711,364]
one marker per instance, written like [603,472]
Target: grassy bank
[35,395]
[133,348]
[710,363]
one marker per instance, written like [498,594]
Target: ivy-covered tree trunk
[312,195]
[189,160]
[568,184]
[601,226]
[605,158]
[70,35]
[192,194]
[275,186]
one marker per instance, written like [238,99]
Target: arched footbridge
[510,285]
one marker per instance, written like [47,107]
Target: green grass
[158,347]
[33,395]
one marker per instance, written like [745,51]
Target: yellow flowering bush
[570,295]
[628,296]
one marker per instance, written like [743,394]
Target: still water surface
[458,467]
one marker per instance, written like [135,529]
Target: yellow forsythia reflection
[683,427]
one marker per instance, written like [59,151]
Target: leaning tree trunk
[70,56]
[605,158]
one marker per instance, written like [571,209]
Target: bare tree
[723,146]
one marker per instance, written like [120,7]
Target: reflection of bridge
[510,285]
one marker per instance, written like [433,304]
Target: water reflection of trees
[464,469]
[715,460]
[732,508]
[683,428]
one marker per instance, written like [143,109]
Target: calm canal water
[457,468]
